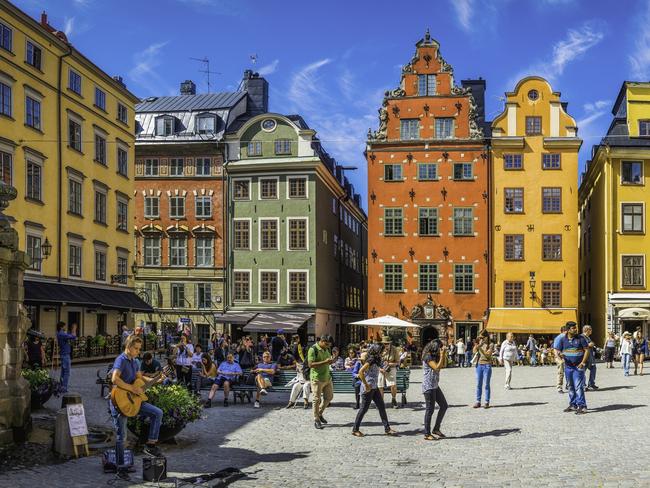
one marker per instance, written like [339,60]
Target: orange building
[428,210]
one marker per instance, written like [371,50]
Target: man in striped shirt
[574,350]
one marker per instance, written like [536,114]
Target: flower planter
[40,396]
[166,433]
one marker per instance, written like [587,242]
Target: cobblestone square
[524,440]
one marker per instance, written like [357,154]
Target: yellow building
[67,145]
[613,200]
[534,212]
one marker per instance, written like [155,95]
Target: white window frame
[620,168]
[144,249]
[121,147]
[102,250]
[102,191]
[178,235]
[42,60]
[97,133]
[259,285]
[157,166]
[202,198]
[121,200]
[306,178]
[35,234]
[201,236]
[288,233]
[31,159]
[277,187]
[250,295]
[250,233]
[196,166]
[171,198]
[79,180]
[79,244]
[289,271]
[150,216]
[259,233]
[250,190]
[72,71]
[122,108]
[196,295]
[79,122]
[172,167]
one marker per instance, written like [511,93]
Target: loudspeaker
[109,460]
[154,468]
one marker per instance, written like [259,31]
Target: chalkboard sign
[77,420]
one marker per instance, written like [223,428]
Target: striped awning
[239,318]
[274,321]
[529,321]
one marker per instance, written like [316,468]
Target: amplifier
[154,468]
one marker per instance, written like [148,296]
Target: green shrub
[179,407]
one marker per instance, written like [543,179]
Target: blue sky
[331,61]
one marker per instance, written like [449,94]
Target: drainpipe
[59,199]
[226,235]
[489,233]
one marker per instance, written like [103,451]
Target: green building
[296,234]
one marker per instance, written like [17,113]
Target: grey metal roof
[182,103]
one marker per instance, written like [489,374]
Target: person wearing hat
[319,359]
[626,352]
[573,349]
[388,371]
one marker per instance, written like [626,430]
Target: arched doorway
[428,334]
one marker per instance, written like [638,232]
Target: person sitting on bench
[264,379]
[228,374]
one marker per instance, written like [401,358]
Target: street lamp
[46,249]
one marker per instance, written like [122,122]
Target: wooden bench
[341,381]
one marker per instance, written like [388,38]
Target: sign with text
[77,420]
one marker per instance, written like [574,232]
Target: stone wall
[14,390]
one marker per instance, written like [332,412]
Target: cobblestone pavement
[524,440]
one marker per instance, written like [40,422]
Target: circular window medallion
[269,125]
[533,95]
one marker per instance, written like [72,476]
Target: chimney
[188,88]
[120,81]
[257,89]
[565,106]
[44,19]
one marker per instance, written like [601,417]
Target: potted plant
[179,408]
[41,385]
[152,339]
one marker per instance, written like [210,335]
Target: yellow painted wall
[42,145]
[637,105]
[532,178]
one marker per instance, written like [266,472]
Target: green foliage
[99,341]
[37,378]
[151,338]
[179,407]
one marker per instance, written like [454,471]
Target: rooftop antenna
[206,65]
[253,58]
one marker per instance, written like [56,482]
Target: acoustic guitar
[127,402]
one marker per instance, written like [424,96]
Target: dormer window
[206,124]
[165,126]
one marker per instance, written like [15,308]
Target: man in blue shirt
[574,351]
[124,373]
[63,339]
[558,359]
[228,373]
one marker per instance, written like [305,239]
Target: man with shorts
[264,379]
[388,372]
[227,374]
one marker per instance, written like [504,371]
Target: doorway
[74,318]
[468,331]
[631,326]
[428,334]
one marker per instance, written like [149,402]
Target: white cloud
[269,68]
[68,26]
[144,71]
[576,43]
[304,91]
[464,11]
[640,58]
[82,3]
[592,107]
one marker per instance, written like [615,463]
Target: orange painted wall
[411,193]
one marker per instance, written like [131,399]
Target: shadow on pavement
[520,404]
[615,406]
[612,388]
[532,387]
[490,433]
